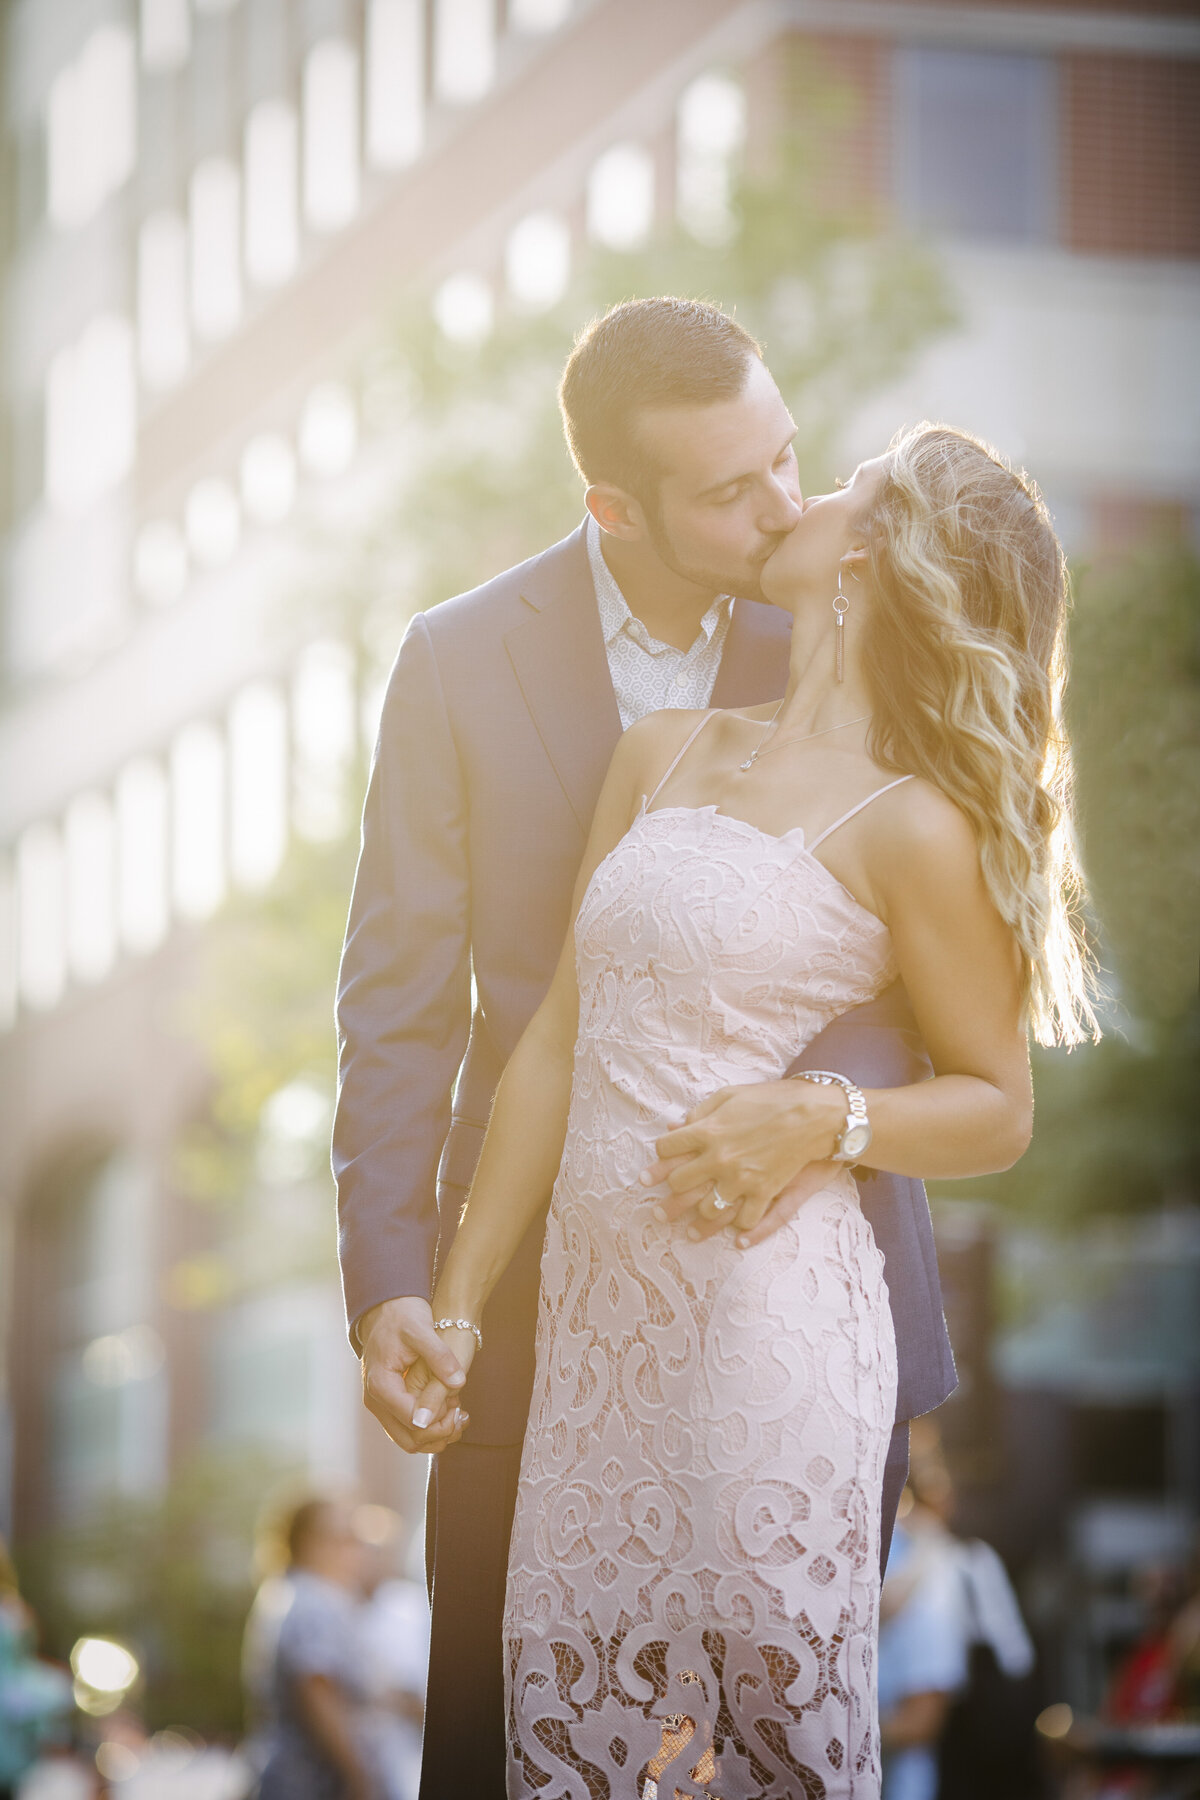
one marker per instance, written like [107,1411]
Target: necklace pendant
[748,764]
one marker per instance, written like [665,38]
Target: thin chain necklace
[763,747]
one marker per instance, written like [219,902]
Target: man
[502,713]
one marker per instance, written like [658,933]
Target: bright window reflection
[216,280]
[212,521]
[91,126]
[620,197]
[464,308]
[160,562]
[272,193]
[41,921]
[89,838]
[90,415]
[324,727]
[464,49]
[712,130]
[162,299]
[8,945]
[538,15]
[395,81]
[330,135]
[141,806]
[268,475]
[537,260]
[166,34]
[198,821]
[328,429]
[258,784]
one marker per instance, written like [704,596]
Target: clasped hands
[761,1148]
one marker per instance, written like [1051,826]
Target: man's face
[729,491]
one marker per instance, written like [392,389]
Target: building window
[162,300]
[272,196]
[41,917]
[91,923]
[268,478]
[328,429]
[212,521]
[538,15]
[8,945]
[215,215]
[537,260]
[166,30]
[198,873]
[331,177]
[464,49]
[620,198]
[464,308]
[395,82]
[258,784]
[976,151]
[141,813]
[91,127]
[324,736]
[91,417]
[712,130]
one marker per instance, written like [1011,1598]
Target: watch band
[856,1110]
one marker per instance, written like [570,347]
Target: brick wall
[1131,155]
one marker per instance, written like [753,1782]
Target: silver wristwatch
[856,1133]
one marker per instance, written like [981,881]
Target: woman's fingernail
[693,1234]
[743,1243]
[422,1418]
[646,1179]
[660,1215]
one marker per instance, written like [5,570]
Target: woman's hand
[754,1145]
[436,1405]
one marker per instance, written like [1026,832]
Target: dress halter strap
[886,789]
[676,760]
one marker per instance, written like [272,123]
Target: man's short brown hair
[640,355]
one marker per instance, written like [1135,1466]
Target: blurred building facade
[214,203]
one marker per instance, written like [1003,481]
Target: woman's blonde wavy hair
[967,658]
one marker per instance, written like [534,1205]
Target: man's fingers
[389,1400]
[437,1355]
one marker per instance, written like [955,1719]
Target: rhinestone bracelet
[459,1325]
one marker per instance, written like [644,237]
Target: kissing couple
[715,871]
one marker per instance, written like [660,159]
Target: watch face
[855,1140]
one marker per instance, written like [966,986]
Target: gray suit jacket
[497,730]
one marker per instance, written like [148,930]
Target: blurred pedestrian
[304,1662]
[35,1697]
[395,1635]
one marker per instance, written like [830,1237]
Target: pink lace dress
[693,1580]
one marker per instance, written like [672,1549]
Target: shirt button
[681,679]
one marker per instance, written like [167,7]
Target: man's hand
[394,1336]
[764,1147]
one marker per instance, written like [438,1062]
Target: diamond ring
[721,1204]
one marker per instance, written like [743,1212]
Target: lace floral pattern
[693,1580]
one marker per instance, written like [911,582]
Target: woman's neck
[815,699]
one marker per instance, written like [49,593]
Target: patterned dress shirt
[647,675]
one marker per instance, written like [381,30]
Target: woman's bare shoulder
[923,830]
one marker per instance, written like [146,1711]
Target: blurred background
[287,285]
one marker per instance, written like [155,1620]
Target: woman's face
[829,529]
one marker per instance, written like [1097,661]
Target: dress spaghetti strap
[886,789]
[674,764]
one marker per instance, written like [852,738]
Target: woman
[693,1580]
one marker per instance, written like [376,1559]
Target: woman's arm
[523,1146]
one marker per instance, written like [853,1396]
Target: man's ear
[616,512]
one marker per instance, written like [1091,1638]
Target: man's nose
[783,508]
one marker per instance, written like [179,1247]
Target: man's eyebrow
[732,480]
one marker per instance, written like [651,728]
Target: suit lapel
[754,665]
[559,660]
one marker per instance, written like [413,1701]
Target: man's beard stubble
[743,587]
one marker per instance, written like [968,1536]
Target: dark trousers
[472,1496]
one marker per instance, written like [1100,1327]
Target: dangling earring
[841,606]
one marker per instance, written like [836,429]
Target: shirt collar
[615,616]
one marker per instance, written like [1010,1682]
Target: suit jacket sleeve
[403,1002]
